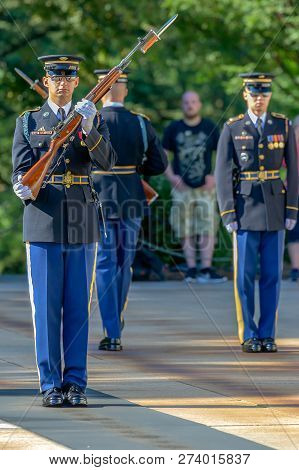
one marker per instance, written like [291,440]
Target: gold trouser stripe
[276,320]
[292,207]
[93,277]
[239,312]
[127,299]
[227,212]
[96,144]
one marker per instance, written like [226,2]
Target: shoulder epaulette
[278,115]
[234,119]
[140,114]
[30,111]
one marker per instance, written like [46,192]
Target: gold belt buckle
[262,175]
[68,179]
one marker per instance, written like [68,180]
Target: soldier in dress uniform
[61,230]
[256,207]
[139,151]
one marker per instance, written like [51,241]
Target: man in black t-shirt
[192,141]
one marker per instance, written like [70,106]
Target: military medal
[281,141]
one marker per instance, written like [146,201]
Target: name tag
[42,132]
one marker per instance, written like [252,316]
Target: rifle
[150,194]
[63,131]
[34,85]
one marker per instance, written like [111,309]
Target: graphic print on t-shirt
[191,150]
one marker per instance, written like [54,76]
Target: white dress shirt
[254,118]
[55,108]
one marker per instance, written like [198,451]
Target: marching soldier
[61,230]
[256,207]
[121,193]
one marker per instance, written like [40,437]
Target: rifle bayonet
[34,85]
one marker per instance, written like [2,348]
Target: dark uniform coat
[60,214]
[257,205]
[122,196]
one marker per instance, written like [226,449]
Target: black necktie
[260,126]
[61,114]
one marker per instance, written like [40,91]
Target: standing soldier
[61,230]
[293,236]
[138,151]
[256,207]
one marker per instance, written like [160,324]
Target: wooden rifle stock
[35,176]
[150,194]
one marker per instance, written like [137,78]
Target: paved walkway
[181,381]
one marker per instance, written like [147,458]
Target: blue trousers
[248,246]
[116,254]
[61,279]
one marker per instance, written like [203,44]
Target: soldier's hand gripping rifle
[35,176]
[34,85]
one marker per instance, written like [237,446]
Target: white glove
[290,224]
[88,110]
[23,192]
[232,227]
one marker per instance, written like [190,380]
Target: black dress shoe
[269,345]
[74,395]
[252,345]
[110,344]
[53,397]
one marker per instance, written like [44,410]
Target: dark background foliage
[209,45]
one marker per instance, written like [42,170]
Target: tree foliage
[208,46]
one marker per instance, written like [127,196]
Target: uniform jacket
[60,214]
[123,195]
[257,205]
